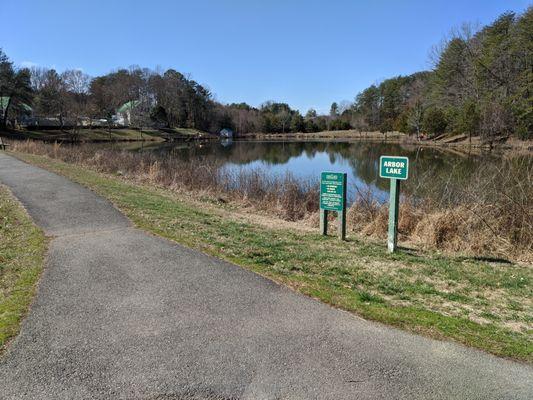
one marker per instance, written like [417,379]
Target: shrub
[434,121]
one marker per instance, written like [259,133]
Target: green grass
[487,305]
[95,134]
[22,248]
[189,131]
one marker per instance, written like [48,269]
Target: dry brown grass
[492,214]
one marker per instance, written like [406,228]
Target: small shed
[226,133]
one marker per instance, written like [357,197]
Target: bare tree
[76,89]
[38,78]
[415,118]
[284,119]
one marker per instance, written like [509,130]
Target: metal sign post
[396,169]
[392,237]
[333,198]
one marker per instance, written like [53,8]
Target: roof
[4,101]
[128,106]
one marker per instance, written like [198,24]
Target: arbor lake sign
[393,167]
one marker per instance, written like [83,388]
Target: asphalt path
[122,314]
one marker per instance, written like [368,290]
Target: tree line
[481,83]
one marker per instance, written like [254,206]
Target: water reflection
[306,160]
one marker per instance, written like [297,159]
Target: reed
[490,214]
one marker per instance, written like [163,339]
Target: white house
[123,115]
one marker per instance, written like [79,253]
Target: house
[226,133]
[123,115]
[25,114]
[4,100]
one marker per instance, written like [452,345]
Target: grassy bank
[102,134]
[22,248]
[85,135]
[481,303]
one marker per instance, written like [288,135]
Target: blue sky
[306,53]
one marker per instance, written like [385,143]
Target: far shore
[450,140]
[103,135]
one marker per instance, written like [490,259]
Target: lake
[431,169]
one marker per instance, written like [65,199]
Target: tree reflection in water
[434,172]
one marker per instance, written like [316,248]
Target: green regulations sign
[393,167]
[332,191]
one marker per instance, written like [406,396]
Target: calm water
[429,167]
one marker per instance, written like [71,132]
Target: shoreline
[447,142]
[395,137]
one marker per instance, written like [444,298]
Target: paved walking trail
[121,314]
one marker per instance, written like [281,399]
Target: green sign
[393,167]
[332,191]
[396,169]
